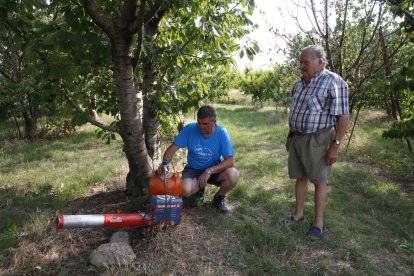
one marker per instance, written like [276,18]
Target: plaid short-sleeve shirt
[316,105]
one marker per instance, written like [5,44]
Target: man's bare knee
[229,177]
[235,175]
[189,187]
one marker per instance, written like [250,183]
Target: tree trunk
[18,132]
[149,113]
[151,125]
[388,72]
[132,131]
[150,95]
[30,125]
[395,99]
[121,31]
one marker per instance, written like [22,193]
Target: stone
[109,254]
[120,237]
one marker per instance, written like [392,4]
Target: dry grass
[40,249]
[188,249]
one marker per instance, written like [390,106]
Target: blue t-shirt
[204,152]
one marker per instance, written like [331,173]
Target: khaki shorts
[307,156]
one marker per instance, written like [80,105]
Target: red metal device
[165,208]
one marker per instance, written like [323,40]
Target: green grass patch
[390,156]
[368,220]
[38,178]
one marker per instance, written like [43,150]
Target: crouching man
[210,158]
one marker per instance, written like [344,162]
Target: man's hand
[288,140]
[332,154]
[163,168]
[202,180]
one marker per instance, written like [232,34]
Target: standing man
[319,103]
[209,158]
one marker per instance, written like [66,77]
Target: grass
[369,147]
[235,97]
[39,178]
[369,215]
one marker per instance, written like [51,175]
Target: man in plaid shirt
[318,121]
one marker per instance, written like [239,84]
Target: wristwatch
[336,142]
[208,171]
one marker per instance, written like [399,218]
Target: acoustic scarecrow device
[165,208]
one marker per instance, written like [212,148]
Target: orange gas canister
[166,184]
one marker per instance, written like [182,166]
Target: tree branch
[316,19]
[5,74]
[326,38]
[365,45]
[91,120]
[341,40]
[100,17]
[406,12]
[154,10]
[139,29]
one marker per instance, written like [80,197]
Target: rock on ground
[118,252]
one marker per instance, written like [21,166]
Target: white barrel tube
[80,221]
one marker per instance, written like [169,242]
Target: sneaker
[218,203]
[200,194]
[291,220]
[315,233]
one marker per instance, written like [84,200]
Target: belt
[297,133]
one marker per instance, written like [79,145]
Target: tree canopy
[139,61]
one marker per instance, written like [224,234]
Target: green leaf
[80,119]
[50,39]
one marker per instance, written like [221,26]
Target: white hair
[317,51]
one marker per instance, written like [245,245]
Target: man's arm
[227,162]
[169,152]
[168,156]
[342,126]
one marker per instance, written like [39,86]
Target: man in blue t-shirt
[210,157]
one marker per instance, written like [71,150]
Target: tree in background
[269,85]
[405,10]
[141,62]
[348,30]
[24,91]
[401,81]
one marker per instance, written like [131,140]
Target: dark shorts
[193,173]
